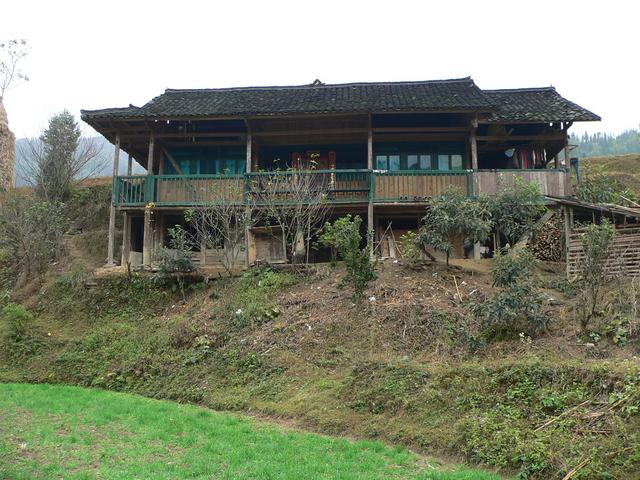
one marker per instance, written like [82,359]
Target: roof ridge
[550,88]
[312,86]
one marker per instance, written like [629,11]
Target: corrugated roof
[536,105]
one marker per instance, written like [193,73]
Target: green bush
[18,329]
[412,256]
[593,273]
[74,278]
[177,258]
[598,187]
[516,209]
[252,302]
[344,235]
[517,306]
[454,213]
[511,268]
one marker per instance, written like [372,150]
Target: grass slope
[408,368]
[51,432]
[625,168]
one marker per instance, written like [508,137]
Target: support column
[249,148]
[370,226]
[567,232]
[126,221]
[147,242]
[126,238]
[150,157]
[112,211]
[249,257]
[565,128]
[474,144]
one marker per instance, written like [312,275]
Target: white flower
[239,312]
[372,298]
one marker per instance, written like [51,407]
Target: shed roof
[610,208]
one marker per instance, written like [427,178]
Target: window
[420,156]
[418,161]
[388,162]
[443,162]
[230,167]
[449,162]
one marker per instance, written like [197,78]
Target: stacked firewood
[547,243]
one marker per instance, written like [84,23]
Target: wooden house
[385,148]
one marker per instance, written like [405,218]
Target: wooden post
[112,211]
[249,146]
[248,238]
[150,157]
[147,241]
[126,220]
[370,149]
[567,233]
[203,252]
[567,161]
[370,226]
[126,237]
[474,144]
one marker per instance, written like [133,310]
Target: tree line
[602,144]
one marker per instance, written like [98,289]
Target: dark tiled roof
[518,105]
[435,95]
[536,105]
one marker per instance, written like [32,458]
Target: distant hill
[601,144]
[105,160]
[625,168]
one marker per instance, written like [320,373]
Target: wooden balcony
[338,186]
[556,183]
[417,186]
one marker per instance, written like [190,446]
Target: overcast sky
[89,54]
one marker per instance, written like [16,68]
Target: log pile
[547,243]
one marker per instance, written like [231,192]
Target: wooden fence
[624,252]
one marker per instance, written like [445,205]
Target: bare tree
[31,232]
[11,53]
[294,203]
[59,158]
[221,223]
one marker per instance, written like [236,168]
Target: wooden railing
[556,183]
[336,186]
[339,186]
[417,186]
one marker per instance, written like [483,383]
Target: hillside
[409,364]
[624,168]
[406,366]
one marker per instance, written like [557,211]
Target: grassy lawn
[55,432]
